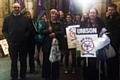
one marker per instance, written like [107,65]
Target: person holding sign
[69,22]
[50,30]
[90,68]
[16,29]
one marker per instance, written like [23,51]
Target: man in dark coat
[113,27]
[16,31]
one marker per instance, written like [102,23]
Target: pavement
[5,71]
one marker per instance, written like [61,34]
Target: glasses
[16,7]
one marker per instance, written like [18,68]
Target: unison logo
[86,31]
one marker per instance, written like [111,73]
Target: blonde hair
[61,12]
[26,11]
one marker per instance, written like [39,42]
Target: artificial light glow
[85,1]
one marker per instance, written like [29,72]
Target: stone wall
[100,5]
[1,15]
[117,2]
[29,6]
[5,9]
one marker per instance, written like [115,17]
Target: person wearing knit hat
[50,31]
[53,14]
[53,11]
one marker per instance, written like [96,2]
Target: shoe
[66,71]
[33,72]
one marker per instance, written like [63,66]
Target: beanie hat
[53,11]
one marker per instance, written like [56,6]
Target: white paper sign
[71,36]
[101,42]
[4,46]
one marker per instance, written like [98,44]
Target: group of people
[22,35]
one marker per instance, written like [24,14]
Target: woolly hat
[53,11]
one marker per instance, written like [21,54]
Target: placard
[4,46]
[71,36]
[85,38]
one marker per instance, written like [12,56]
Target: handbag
[110,52]
[55,54]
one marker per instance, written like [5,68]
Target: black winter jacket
[47,40]
[113,26]
[99,24]
[16,29]
[33,31]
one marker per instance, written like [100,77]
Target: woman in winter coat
[50,30]
[69,22]
[91,72]
[31,43]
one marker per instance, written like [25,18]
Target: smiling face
[53,15]
[16,8]
[92,14]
